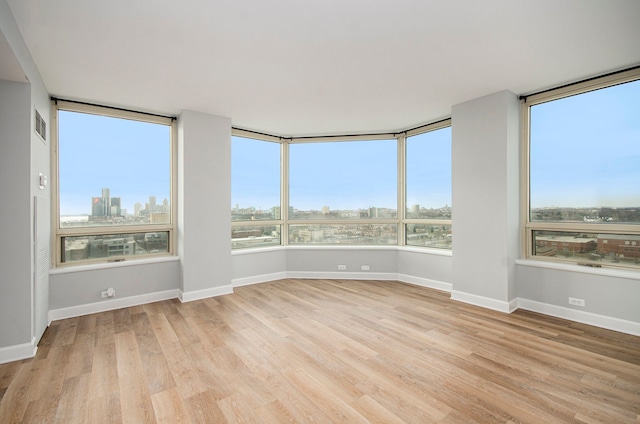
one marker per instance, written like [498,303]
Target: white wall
[15,214]
[204,204]
[485,199]
[80,286]
[430,269]
[249,266]
[433,270]
[611,296]
[323,261]
[22,156]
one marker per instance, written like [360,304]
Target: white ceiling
[292,67]
[10,68]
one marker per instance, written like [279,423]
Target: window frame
[400,221]
[59,233]
[529,227]
[235,132]
[337,222]
[402,187]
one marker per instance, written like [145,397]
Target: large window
[428,187]
[114,183]
[341,182]
[584,173]
[342,190]
[255,192]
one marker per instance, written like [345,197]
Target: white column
[204,205]
[486,200]
[15,221]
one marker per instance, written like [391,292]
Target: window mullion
[402,188]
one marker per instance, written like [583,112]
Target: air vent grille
[41,126]
[42,262]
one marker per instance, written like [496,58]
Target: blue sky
[255,173]
[429,169]
[131,158]
[585,150]
[345,175]
[342,175]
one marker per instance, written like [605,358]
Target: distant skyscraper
[325,210]
[97,208]
[165,206]
[136,209]
[106,202]
[115,206]
[152,203]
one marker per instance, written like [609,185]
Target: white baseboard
[111,304]
[485,302]
[329,275]
[18,352]
[28,350]
[513,305]
[425,282]
[610,323]
[204,294]
[257,279]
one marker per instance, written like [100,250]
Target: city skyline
[585,152]
[107,212]
[131,158]
[344,175]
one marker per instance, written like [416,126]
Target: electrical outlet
[364,267]
[576,301]
[108,293]
[342,267]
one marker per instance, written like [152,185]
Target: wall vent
[41,126]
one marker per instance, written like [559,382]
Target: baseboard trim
[324,275]
[111,304]
[485,302]
[602,321]
[513,305]
[18,352]
[258,279]
[425,282]
[204,294]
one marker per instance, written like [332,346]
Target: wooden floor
[324,351]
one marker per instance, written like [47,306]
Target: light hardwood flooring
[324,351]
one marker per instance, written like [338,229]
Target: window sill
[426,250]
[256,250]
[606,272]
[109,265]
[422,250]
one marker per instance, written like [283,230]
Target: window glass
[429,235]
[428,175]
[255,179]
[255,236]
[343,234]
[113,171]
[585,156]
[79,248]
[343,180]
[592,249]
